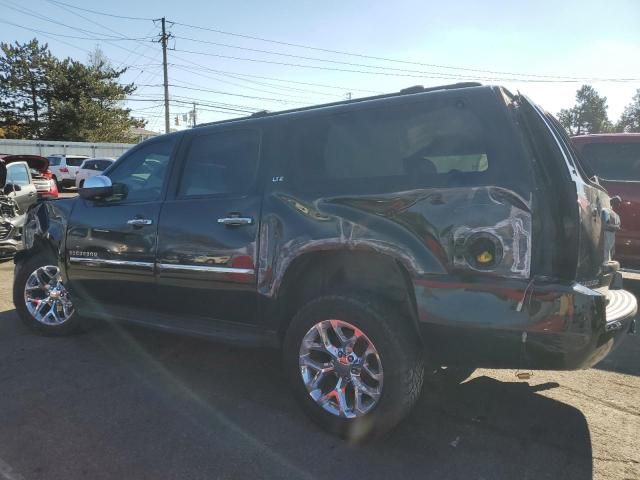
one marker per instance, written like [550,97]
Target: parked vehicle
[64,169]
[17,194]
[92,167]
[371,240]
[615,159]
[40,174]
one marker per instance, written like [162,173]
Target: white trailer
[45,148]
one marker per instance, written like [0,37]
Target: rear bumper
[556,327]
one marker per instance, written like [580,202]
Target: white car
[64,169]
[90,168]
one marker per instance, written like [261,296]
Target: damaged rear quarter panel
[422,229]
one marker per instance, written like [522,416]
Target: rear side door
[111,243]
[18,174]
[208,230]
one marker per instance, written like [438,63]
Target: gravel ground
[127,403]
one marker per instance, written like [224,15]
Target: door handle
[138,222]
[235,221]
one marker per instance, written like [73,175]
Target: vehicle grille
[5,230]
[7,209]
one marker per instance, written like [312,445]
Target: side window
[220,163]
[102,165]
[391,148]
[614,161]
[140,175]
[18,175]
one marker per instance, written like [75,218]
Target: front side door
[208,230]
[111,243]
[18,175]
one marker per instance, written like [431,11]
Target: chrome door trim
[204,268]
[104,261]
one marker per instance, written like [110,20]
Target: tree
[88,103]
[589,115]
[630,119]
[25,89]
[44,97]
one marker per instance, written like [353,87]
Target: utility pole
[194,115]
[164,40]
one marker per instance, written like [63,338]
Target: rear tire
[396,346]
[62,320]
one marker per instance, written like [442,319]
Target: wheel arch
[319,273]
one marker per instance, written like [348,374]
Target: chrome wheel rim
[341,368]
[46,298]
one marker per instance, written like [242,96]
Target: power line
[44,32]
[271,92]
[324,85]
[219,92]
[551,78]
[399,72]
[387,59]
[100,13]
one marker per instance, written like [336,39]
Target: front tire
[354,364]
[40,298]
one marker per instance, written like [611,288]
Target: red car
[615,159]
[40,173]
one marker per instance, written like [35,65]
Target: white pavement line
[7,473]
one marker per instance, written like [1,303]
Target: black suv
[435,230]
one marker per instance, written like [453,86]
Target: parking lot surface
[120,402]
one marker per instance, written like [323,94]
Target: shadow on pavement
[130,403]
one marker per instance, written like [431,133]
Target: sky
[544,49]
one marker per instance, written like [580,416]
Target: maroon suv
[615,159]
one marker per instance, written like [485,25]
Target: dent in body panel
[418,228]
[46,224]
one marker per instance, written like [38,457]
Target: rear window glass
[75,161]
[54,161]
[614,161]
[407,146]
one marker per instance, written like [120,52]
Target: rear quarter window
[613,161]
[441,143]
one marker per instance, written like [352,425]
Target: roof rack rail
[406,91]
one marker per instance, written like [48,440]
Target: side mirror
[96,187]
[11,187]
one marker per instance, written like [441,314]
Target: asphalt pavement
[127,403]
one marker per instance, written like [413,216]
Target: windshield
[614,161]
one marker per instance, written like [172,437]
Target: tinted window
[18,175]
[614,161]
[220,163]
[140,174]
[103,164]
[89,165]
[75,161]
[54,161]
[401,147]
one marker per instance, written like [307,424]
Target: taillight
[47,174]
[53,190]
[64,169]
